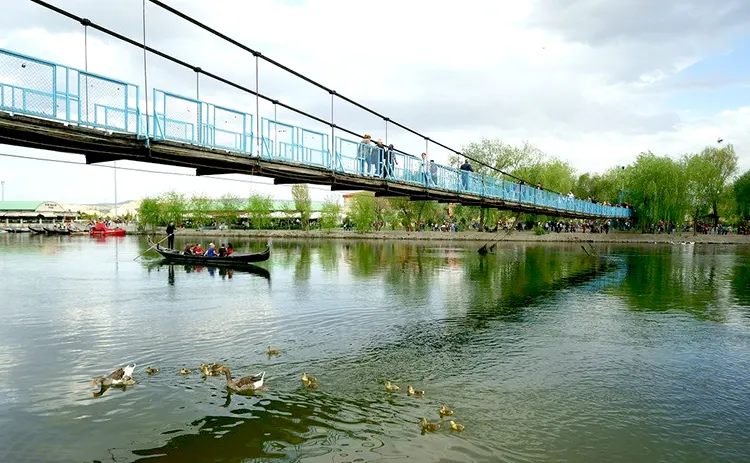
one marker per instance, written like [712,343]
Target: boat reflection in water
[223,271]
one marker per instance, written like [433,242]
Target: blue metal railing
[40,88]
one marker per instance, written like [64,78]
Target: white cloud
[586,82]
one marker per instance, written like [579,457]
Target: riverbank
[528,236]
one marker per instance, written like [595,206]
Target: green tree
[151,212]
[709,173]
[329,214]
[364,211]
[411,213]
[175,206]
[302,203]
[200,209]
[657,189]
[259,210]
[501,156]
[231,205]
[741,189]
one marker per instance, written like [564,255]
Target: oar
[152,247]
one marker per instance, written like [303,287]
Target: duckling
[185,371]
[309,381]
[209,370]
[456,427]
[270,351]
[151,370]
[391,387]
[445,411]
[432,427]
[415,392]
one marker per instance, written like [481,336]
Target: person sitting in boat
[211,252]
[222,250]
[230,249]
[188,249]
[198,249]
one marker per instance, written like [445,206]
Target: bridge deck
[63,109]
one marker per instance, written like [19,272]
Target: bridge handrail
[195,121]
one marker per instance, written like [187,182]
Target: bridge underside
[100,146]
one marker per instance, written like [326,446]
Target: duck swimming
[456,427]
[432,427]
[309,381]
[185,371]
[415,392]
[121,376]
[270,351]
[445,411]
[390,387]
[248,383]
[151,370]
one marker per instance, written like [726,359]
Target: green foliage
[151,212]
[411,213]
[602,187]
[200,210]
[539,230]
[302,203]
[364,211]
[175,206]
[329,214]
[259,208]
[741,190]
[708,174]
[231,205]
[657,188]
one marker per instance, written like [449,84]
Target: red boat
[101,230]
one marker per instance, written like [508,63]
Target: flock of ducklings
[426,425]
[310,382]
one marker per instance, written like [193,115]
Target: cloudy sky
[589,81]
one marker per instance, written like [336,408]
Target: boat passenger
[211,252]
[198,249]
[222,250]
[188,249]
[230,249]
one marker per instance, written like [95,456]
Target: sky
[588,81]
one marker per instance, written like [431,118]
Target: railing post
[200,106]
[332,151]
[257,99]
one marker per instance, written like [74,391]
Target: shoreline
[516,236]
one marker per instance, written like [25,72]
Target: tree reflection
[660,279]
[740,278]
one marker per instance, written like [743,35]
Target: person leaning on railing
[364,156]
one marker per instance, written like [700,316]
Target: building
[21,212]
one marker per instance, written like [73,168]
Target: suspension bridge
[52,106]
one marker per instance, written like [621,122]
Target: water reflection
[544,352]
[224,272]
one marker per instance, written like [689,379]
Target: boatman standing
[170,235]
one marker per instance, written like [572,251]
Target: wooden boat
[101,230]
[38,231]
[235,259]
[57,231]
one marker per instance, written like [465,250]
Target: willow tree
[151,212]
[709,173]
[363,211]
[302,203]
[741,189]
[329,214]
[259,209]
[657,189]
[175,206]
[201,207]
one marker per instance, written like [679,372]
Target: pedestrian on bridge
[170,235]
[465,169]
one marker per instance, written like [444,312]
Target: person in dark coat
[170,235]
[465,168]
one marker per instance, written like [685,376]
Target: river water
[543,352]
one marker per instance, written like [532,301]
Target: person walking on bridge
[170,235]
[465,168]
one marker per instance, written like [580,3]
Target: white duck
[248,383]
[120,377]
